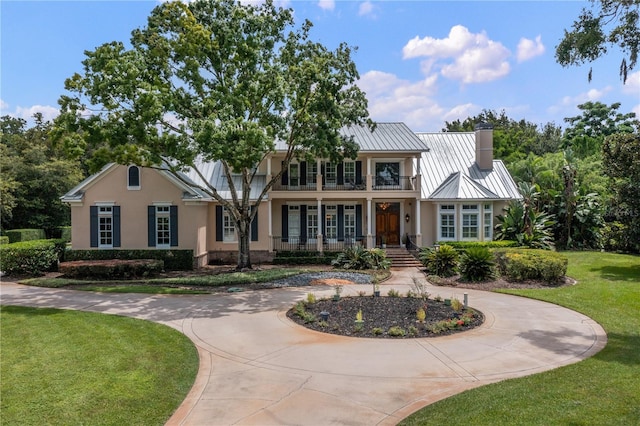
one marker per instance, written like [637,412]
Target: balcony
[348,185]
[311,244]
[278,186]
[394,183]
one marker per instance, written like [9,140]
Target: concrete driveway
[259,368]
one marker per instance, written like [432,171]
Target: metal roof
[454,153]
[386,137]
[214,173]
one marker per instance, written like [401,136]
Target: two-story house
[428,187]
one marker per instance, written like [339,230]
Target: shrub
[462,246]
[396,331]
[358,257]
[393,293]
[526,264]
[442,262]
[112,269]
[174,260]
[30,257]
[21,235]
[62,232]
[4,240]
[477,264]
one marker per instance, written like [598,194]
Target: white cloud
[528,49]
[26,113]
[632,86]
[366,8]
[327,4]
[3,106]
[462,55]
[567,106]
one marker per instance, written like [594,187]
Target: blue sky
[421,62]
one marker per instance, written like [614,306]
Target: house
[428,186]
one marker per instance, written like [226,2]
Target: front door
[388,223]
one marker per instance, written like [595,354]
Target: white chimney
[484,146]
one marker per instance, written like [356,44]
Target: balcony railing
[278,186]
[348,185]
[398,183]
[311,244]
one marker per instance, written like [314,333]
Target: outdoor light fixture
[436,247]
[407,217]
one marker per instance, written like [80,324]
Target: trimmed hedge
[112,269]
[4,240]
[304,258]
[19,235]
[524,264]
[31,257]
[62,232]
[463,245]
[174,260]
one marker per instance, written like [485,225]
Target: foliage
[216,80]
[462,246]
[97,369]
[396,331]
[393,293]
[616,237]
[588,39]
[174,260]
[477,264]
[621,161]
[35,174]
[4,240]
[523,223]
[18,235]
[112,269]
[528,264]
[31,257]
[311,298]
[357,257]
[442,262]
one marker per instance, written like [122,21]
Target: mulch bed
[384,313]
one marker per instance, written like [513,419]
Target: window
[133,177]
[447,222]
[312,172]
[331,223]
[294,224]
[163,228]
[350,222]
[105,226]
[488,222]
[228,227]
[350,172]
[470,221]
[312,223]
[331,174]
[294,174]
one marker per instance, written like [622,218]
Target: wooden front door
[388,223]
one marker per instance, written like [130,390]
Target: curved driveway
[259,368]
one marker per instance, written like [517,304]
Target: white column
[369,238]
[319,245]
[269,165]
[270,224]
[418,224]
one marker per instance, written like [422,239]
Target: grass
[70,367]
[602,390]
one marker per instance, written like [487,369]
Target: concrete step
[402,258]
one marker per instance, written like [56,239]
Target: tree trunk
[244,238]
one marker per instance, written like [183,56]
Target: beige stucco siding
[263,231]
[154,188]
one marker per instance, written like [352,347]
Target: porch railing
[278,186]
[398,183]
[280,243]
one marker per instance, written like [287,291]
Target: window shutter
[173,223]
[219,235]
[254,226]
[303,224]
[151,226]
[340,222]
[323,221]
[93,225]
[116,226]
[358,172]
[303,173]
[322,173]
[285,223]
[340,172]
[358,222]
[285,175]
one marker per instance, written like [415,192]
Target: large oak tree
[215,81]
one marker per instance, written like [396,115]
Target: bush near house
[442,262]
[358,257]
[19,235]
[304,258]
[31,257]
[464,245]
[112,269]
[174,260]
[4,240]
[531,264]
[477,264]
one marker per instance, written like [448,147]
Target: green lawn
[64,367]
[602,390]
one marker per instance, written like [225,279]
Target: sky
[423,63]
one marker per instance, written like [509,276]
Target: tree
[34,176]
[216,81]
[621,162]
[609,23]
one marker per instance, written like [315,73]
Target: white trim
[104,203]
[470,212]
[440,212]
